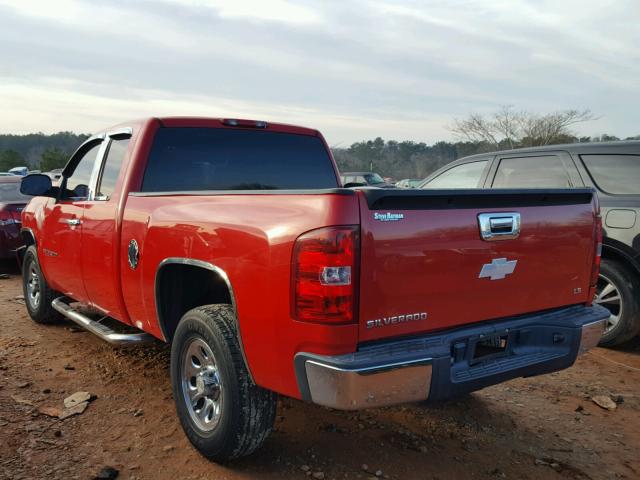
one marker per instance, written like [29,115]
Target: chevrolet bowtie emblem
[498,269]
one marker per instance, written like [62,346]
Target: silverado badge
[393,320]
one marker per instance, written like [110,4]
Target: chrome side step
[103,331]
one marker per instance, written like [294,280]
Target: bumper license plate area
[490,346]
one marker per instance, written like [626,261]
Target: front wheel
[618,290]
[37,293]
[223,413]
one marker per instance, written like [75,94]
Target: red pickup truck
[234,241]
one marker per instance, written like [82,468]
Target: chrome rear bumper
[414,370]
[368,387]
[591,334]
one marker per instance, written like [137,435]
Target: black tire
[41,310]
[247,411]
[628,309]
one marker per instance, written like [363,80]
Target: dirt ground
[545,427]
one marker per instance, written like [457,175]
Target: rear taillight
[598,252]
[324,275]
[595,269]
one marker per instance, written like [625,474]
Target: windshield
[373,178]
[10,193]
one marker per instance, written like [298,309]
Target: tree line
[503,129]
[417,160]
[38,151]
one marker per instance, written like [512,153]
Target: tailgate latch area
[499,226]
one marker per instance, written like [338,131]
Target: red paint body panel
[99,253]
[251,238]
[60,247]
[430,262]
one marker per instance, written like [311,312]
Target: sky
[354,69]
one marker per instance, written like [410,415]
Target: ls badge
[498,269]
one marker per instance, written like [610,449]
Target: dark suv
[613,169]
[350,179]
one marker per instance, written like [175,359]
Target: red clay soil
[538,428]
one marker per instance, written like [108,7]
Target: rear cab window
[201,159]
[614,174]
[111,168]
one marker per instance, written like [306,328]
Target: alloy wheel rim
[201,385]
[33,287]
[608,295]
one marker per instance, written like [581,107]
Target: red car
[12,202]
[234,241]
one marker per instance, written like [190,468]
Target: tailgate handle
[499,226]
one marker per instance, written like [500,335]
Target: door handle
[73,221]
[499,226]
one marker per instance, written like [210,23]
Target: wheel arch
[28,238]
[185,283]
[614,250]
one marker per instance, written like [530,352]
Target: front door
[60,246]
[100,247]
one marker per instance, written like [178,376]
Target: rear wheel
[618,290]
[37,293]
[223,413]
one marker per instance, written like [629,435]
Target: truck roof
[228,122]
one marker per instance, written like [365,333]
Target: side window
[466,175]
[615,174]
[572,170]
[78,182]
[531,172]
[111,168]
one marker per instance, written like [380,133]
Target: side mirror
[36,185]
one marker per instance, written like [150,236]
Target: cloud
[354,69]
[272,10]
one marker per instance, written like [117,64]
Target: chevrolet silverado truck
[234,241]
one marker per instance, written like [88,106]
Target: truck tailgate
[425,266]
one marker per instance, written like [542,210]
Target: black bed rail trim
[200,193]
[391,199]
